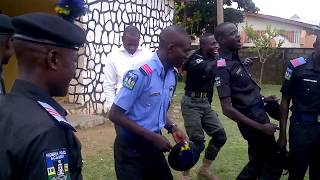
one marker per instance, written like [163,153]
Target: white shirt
[118,62]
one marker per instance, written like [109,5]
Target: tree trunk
[261,73]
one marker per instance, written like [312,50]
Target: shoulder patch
[146,69]
[130,80]
[57,164]
[199,60]
[221,63]
[61,120]
[298,62]
[288,74]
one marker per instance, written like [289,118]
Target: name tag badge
[310,80]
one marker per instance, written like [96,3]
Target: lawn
[98,154]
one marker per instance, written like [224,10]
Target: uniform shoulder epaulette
[61,120]
[298,62]
[221,63]
[146,69]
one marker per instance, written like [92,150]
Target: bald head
[174,45]
[171,35]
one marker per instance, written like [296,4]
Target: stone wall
[104,25]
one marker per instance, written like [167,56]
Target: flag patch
[221,63]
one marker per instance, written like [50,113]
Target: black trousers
[139,160]
[264,159]
[304,143]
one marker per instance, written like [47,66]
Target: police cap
[183,156]
[6,27]
[48,29]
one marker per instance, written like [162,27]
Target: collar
[122,49]
[31,91]
[159,66]
[227,54]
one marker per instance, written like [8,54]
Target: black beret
[183,156]
[273,109]
[5,25]
[48,29]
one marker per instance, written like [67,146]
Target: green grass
[231,159]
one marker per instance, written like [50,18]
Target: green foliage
[201,15]
[262,41]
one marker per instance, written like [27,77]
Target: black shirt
[233,80]
[34,145]
[200,73]
[302,83]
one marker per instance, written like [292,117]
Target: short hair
[132,30]
[219,31]
[204,37]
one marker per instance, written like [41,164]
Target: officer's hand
[178,135]
[269,128]
[282,141]
[271,98]
[161,142]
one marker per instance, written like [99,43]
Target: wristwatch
[171,127]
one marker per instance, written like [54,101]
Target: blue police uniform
[302,84]
[145,96]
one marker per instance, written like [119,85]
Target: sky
[309,10]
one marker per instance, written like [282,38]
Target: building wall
[303,39]
[104,25]
[15,8]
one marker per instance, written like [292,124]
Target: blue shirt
[146,94]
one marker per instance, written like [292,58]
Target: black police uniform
[6,29]
[234,81]
[33,141]
[302,84]
[196,105]
[36,140]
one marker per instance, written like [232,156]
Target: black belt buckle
[196,94]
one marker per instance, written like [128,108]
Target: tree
[201,15]
[263,43]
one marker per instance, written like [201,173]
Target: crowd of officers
[37,142]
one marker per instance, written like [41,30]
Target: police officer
[242,102]
[36,140]
[6,47]
[196,103]
[140,110]
[302,86]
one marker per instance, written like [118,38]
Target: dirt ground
[96,139]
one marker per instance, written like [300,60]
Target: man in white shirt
[120,60]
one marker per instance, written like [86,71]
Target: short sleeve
[132,87]
[288,83]
[222,82]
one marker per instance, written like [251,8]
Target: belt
[196,94]
[305,117]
